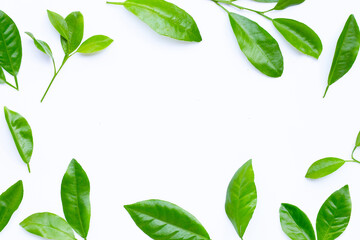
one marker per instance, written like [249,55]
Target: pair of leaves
[75,197]
[10,201]
[347,49]
[332,219]
[165,18]
[21,133]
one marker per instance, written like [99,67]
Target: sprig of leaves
[331,222]
[71,30]
[326,166]
[75,197]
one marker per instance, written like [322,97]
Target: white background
[152,117]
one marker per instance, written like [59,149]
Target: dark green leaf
[165,18]
[75,23]
[41,45]
[260,48]
[324,167]
[10,45]
[75,197]
[9,202]
[21,133]
[2,76]
[334,215]
[295,223]
[49,226]
[162,220]
[347,49]
[300,36]
[59,24]
[94,44]
[282,4]
[241,198]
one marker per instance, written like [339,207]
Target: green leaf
[10,45]
[94,44]
[260,48]
[162,220]
[347,49]
[300,36]
[165,18]
[41,45]
[266,1]
[49,226]
[241,198]
[75,197]
[59,24]
[295,224]
[9,202]
[357,143]
[334,215]
[282,4]
[2,76]
[21,133]
[75,23]
[324,167]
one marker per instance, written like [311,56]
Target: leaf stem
[326,90]
[28,166]
[9,84]
[16,82]
[116,3]
[217,3]
[353,161]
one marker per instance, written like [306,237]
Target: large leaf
[260,48]
[10,45]
[162,220]
[21,133]
[334,215]
[9,202]
[300,36]
[241,198]
[41,45]
[75,23]
[282,4]
[295,223]
[94,44]
[59,24]
[49,226]
[324,167]
[347,49]
[165,18]
[75,197]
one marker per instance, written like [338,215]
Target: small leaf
[334,215]
[241,198]
[41,45]
[75,197]
[21,133]
[165,18]
[162,220]
[75,23]
[260,48]
[357,143]
[9,202]
[324,167]
[59,24]
[2,76]
[300,36]
[347,49]
[49,226]
[282,4]
[10,45]
[295,223]
[94,44]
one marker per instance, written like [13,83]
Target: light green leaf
[59,24]
[282,4]
[324,167]
[10,201]
[41,45]
[75,23]
[357,143]
[94,44]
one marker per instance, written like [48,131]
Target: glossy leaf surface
[10,45]
[241,198]
[162,220]
[282,4]
[334,215]
[324,167]
[75,24]
[300,36]
[94,44]
[41,45]
[165,18]
[75,197]
[2,76]
[347,49]
[49,226]
[260,48]
[59,24]
[9,202]
[295,224]
[21,133]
